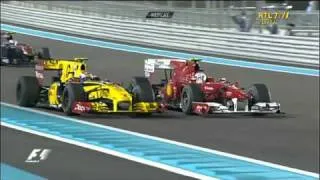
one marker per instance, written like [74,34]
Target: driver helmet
[195,64]
[106,81]
[223,79]
[83,74]
[12,42]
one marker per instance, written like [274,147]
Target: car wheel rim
[185,100]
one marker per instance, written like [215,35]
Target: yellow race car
[75,91]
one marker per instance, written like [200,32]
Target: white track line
[112,152]
[251,160]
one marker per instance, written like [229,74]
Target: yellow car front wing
[99,107]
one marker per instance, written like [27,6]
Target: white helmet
[223,79]
[12,42]
[83,77]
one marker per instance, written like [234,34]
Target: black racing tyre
[72,93]
[44,53]
[190,93]
[260,93]
[28,59]
[19,56]
[27,91]
[142,90]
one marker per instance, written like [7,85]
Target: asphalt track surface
[291,140]
[66,162]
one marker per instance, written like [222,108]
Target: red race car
[14,52]
[186,87]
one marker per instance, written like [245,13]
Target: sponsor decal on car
[81,107]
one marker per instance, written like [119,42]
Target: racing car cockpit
[7,37]
[199,74]
[195,64]
[84,76]
[12,42]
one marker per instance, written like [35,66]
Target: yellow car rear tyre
[27,91]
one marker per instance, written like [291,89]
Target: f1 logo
[38,155]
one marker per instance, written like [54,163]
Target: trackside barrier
[284,49]
[206,17]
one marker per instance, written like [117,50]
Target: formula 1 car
[186,87]
[76,91]
[14,52]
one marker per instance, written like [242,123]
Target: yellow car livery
[75,91]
